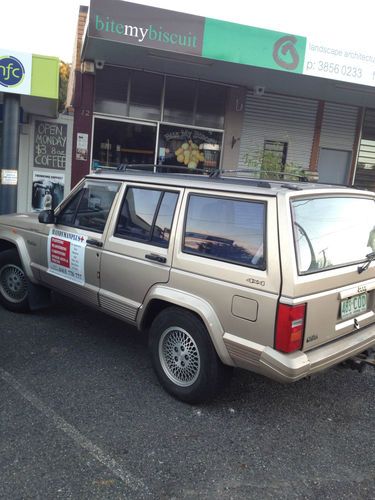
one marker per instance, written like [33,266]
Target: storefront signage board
[144,26]
[29,74]
[327,60]
[177,32]
[253,46]
[15,72]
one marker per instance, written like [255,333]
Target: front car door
[72,250]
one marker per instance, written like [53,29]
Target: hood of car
[21,220]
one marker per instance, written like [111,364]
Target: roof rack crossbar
[126,167]
[278,175]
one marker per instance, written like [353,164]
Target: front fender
[18,241]
[195,304]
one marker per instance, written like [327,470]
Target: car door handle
[95,243]
[156,257]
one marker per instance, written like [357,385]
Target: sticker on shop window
[66,255]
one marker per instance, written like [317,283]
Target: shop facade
[153,86]
[35,141]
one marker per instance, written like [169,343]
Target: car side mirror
[46,217]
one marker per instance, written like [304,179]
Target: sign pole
[10,155]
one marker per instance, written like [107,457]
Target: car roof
[224,182]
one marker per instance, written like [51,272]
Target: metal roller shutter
[278,118]
[338,126]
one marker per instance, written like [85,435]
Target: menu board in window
[196,150]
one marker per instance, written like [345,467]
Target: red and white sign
[60,252]
[66,255]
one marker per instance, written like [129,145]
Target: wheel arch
[7,245]
[160,298]
[18,244]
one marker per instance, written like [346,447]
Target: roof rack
[151,167]
[260,174]
[255,176]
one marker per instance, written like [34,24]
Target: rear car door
[72,250]
[138,250]
[328,269]
[227,254]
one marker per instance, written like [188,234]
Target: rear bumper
[294,366]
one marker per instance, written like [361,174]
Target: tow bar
[359,362]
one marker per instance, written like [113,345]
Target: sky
[48,27]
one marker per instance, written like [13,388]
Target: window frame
[229,261]
[283,153]
[296,223]
[80,192]
[150,242]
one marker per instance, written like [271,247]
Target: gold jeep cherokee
[275,277]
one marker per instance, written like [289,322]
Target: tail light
[290,327]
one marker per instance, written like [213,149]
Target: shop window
[193,149]
[111,92]
[117,143]
[179,101]
[145,95]
[146,215]
[226,229]
[274,155]
[210,105]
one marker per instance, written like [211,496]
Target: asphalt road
[82,416]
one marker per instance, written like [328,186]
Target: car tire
[13,282]
[184,358]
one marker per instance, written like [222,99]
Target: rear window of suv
[226,229]
[332,231]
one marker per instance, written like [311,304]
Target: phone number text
[334,69]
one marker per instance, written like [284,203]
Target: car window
[147,215]
[226,229]
[332,231]
[164,219]
[90,206]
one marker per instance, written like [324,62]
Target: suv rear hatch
[327,264]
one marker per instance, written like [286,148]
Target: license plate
[353,305]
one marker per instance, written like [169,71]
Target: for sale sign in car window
[66,255]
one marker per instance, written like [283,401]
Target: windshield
[331,232]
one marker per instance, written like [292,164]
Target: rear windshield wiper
[369,258]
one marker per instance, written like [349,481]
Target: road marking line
[126,477]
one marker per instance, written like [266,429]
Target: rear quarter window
[226,229]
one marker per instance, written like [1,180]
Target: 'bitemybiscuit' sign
[146,26]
